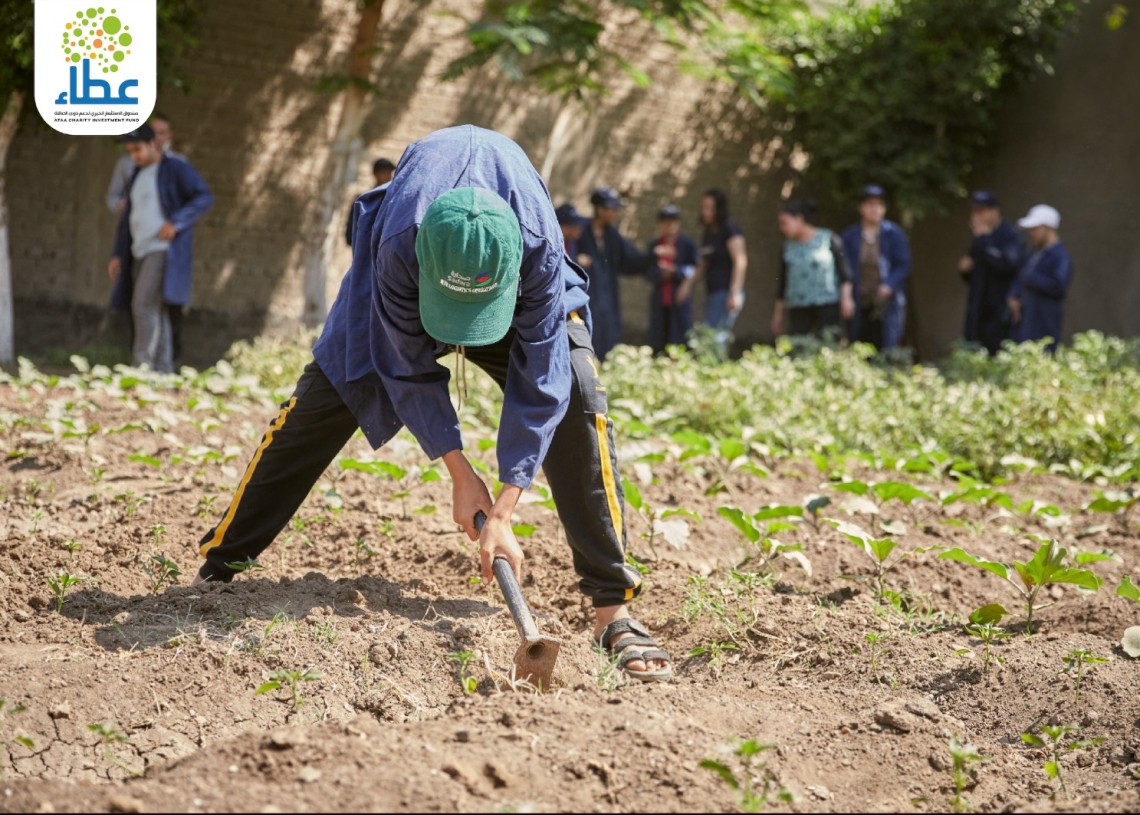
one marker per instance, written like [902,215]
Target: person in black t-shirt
[723,263]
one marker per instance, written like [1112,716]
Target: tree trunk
[322,232]
[8,124]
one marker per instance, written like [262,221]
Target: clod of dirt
[1130,643]
[463,773]
[819,791]
[498,776]
[308,775]
[21,616]
[124,803]
[285,737]
[892,714]
[60,711]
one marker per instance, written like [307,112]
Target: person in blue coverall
[988,268]
[1037,296]
[878,255]
[464,254]
[606,255]
[152,263]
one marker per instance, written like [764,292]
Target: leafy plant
[289,679]
[1045,568]
[72,547]
[462,660]
[1057,746]
[7,708]
[109,736]
[406,480]
[248,565]
[59,584]
[1075,662]
[961,756]
[766,549]
[876,650]
[879,551]
[669,524]
[755,782]
[984,625]
[1119,503]
[361,549]
[162,572]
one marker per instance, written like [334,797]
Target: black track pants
[314,424]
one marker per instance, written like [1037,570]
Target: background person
[878,254]
[570,222]
[723,264]
[116,196]
[988,268]
[815,281]
[152,262]
[382,171]
[673,259]
[1037,296]
[606,255]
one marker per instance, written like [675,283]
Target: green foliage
[275,362]
[16,48]
[1056,746]
[669,525]
[879,551]
[1045,568]
[162,572]
[985,416]
[766,549]
[289,679]
[462,660]
[7,708]
[406,480]
[984,624]
[109,735]
[1075,662]
[755,782]
[907,92]
[961,756]
[59,584]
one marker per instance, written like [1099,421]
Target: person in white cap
[1037,296]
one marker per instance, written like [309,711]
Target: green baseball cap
[470,249]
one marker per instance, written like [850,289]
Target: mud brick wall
[257,130]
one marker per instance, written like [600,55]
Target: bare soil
[388,724]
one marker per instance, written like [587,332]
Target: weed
[205,505]
[72,547]
[879,551]
[37,515]
[109,735]
[327,632]
[766,548]
[291,680]
[715,651]
[247,565]
[984,625]
[59,584]
[361,549]
[961,756]
[462,661]
[131,503]
[406,480]
[1075,662]
[1046,567]
[756,782]
[8,708]
[95,475]
[162,571]
[1056,747]
[157,534]
[876,650]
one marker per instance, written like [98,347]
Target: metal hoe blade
[535,658]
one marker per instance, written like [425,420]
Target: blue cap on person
[567,215]
[669,212]
[142,133]
[983,199]
[873,191]
[606,197]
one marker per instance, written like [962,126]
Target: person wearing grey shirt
[125,167]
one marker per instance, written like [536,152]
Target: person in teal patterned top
[815,280]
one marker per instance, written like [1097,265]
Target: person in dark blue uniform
[1037,297]
[570,222]
[988,268]
[464,254]
[878,255]
[673,259]
[606,255]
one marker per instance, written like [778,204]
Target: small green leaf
[738,518]
[1127,589]
[149,460]
[1000,569]
[1033,739]
[776,511]
[24,740]
[273,684]
[731,449]
[687,513]
[900,491]
[989,614]
[853,487]
[523,530]
[721,770]
[429,475]
[632,494]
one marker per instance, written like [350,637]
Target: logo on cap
[483,279]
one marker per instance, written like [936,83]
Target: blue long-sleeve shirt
[185,198]
[1041,285]
[374,348]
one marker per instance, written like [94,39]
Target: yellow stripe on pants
[601,426]
[220,533]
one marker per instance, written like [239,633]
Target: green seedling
[669,525]
[205,505]
[291,680]
[37,515]
[8,708]
[95,475]
[879,551]
[387,528]
[961,756]
[715,651]
[876,650]
[756,783]
[59,584]
[361,550]
[109,735]
[1045,568]
[764,548]
[1118,503]
[327,633]
[984,625]
[906,494]
[157,534]
[131,503]
[1056,747]
[406,481]
[1075,663]
[462,660]
[72,548]
[247,565]
[162,572]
